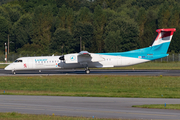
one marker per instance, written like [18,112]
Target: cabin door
[30,63]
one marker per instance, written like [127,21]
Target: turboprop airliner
[88,60]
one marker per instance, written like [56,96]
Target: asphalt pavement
[94,72]
[88,106]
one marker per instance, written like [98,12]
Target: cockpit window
[18,61]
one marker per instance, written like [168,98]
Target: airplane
[87,60]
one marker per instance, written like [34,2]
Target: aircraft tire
[87,71]
[13,72]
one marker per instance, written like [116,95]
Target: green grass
[18,116]
[93,85]
[2,66]
[148,65]
[160,106]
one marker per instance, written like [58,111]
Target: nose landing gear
[13,72]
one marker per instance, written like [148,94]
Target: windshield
[18,61]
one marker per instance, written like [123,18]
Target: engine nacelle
[71,58]
[78,58]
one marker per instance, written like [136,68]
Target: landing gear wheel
[87,71]
[14,72]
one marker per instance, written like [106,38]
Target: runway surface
[95,72]
[88,106]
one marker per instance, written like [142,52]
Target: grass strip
[148,66]
[18,116]
[160,106]
[92,86]
[2,66]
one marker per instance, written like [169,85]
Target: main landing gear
[87,70]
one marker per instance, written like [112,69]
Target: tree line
[65,26]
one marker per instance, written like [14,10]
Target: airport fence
[170,58]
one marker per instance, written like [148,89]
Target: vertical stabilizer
[162,41]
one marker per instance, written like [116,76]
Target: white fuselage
[53,62]
[34,63]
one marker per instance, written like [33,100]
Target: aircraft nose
[7,68]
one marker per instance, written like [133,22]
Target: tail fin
[162,41]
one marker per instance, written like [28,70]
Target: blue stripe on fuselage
[148,53]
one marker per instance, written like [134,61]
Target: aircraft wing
[82,57]
[85,54]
